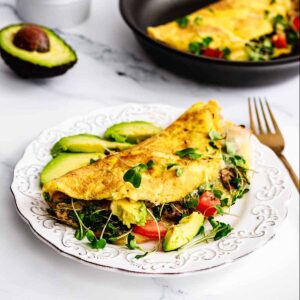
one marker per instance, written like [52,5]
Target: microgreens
[134,176]
[221,229]
[131,243]
[224,202]
[47,196]
[217,193]
[226,52]
[230,149]
[183,22]
[206,41]
[198,20]
[92,161]
[150,164]
[214,135]
[219,210]
[191,153]
[190,201]
[84,231]
[213,145]
[176,167]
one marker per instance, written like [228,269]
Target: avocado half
[57,60]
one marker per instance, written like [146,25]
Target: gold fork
[274,140]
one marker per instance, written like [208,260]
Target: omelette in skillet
[239,30]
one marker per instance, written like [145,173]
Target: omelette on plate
[165,187]
[256,30]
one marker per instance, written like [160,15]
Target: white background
[105,46]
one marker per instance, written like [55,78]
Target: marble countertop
[112,70]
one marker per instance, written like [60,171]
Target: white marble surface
[112,69]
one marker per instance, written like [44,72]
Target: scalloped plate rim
[124,270]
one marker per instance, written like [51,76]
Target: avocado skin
[29,70]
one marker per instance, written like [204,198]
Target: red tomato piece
[206,203]
[213,53]
[279,40]
[150,229]
[296,23]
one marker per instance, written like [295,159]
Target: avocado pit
[32,38]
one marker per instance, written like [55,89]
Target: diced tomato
[206,203]
[279,40]
[296,23]
[213,53]
[150,229]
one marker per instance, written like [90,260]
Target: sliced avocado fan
[182,233]
[131,132]
[66,162]
[86,143]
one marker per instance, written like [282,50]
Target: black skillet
[139,14]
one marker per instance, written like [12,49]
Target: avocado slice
[129,212]
[34,51]
[86,143]
[131,132]
[66,162]
[182,233]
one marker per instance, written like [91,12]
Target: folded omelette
[164,187]
[193,144]
[235,30]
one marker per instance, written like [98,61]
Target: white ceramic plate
[261,211]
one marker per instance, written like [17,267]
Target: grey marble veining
[112,70]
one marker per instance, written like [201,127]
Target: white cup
[54,13]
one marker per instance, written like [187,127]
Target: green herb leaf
[98,244]
[134,176]
[218,194]
[279,21]
[79,234]
[131,243]
[183,22]
[198,20]
[224,202]
[90,235]
[179,172]
[206,41]
[201,230]
[195,48]
[230,149]
[150,164]
[220,228]
[219,210]
[171,165]
[226,52]
[213,145]
[92,161]
[138,256]
[191,153]
[190,201]
[46,196]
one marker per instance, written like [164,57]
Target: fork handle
[291,171]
